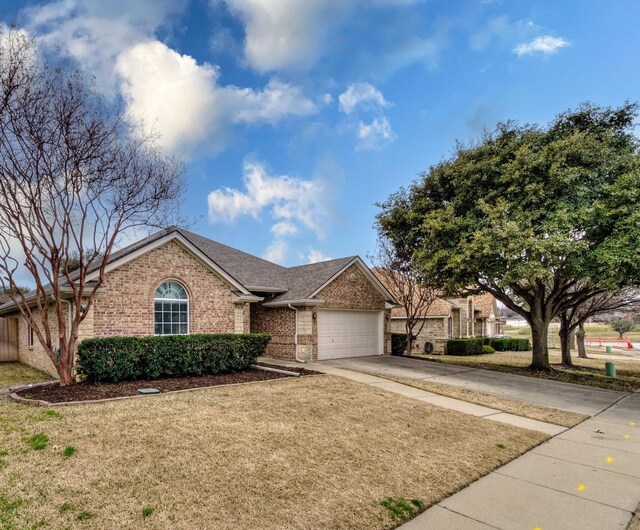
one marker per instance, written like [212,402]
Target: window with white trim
[171,306]
[30,334]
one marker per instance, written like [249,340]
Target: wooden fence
[8,339]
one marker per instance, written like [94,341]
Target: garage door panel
[348,333]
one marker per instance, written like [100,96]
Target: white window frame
[30,336]
[179,300]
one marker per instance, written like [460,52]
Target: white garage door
[349,333]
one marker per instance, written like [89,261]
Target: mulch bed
[88,391]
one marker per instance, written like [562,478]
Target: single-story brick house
[448,318]
[175,281]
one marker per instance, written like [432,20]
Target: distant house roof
[247,272]
[486,305]
[438,308]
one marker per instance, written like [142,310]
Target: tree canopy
[537,216]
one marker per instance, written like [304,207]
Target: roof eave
[302,302]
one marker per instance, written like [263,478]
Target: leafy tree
[539,217]
[74,175]
[622,325]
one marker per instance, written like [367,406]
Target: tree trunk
[539,337]
[409,330]
[565,340]
[582,351]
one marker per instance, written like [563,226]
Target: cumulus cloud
[361,95]
[315,256]
[95,32]
[276,252]
[154,81]
[545,45]
[374,135]
[115,42]
[290,202]
[364,98]
[287,34]
[288,199]
[284,228]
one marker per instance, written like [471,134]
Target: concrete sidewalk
[429,397]
[563,396]
[586,478]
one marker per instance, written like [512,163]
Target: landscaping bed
[91,391]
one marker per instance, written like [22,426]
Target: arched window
[171,309]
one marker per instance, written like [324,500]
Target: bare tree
[74,178]
[574,318]
[395,270]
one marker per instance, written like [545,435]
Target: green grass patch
[84,515]
[66,507]
[38,441]
[147,511]
[69,451]
[49,414]
[501,446]
[402,509]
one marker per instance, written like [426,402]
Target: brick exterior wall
[280,323]
[345,292]
[125,307]
[434,331]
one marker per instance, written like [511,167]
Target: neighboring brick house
[175,281]
[447,318]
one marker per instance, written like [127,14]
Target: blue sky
[295,117]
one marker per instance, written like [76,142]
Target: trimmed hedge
[487,349]
[475,346]
[464,346]
[127,358]
[510,344]
[398,343]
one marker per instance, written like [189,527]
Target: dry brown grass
[588,372]
[635,522]
[13,374]
[520,408]
[319,452]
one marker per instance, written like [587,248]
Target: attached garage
[343,333]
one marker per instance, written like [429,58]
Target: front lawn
[320,452]
[589,372]
[14,374]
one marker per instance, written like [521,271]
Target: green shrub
[510,344]
[487,349]
[464,346]
[127,358]
[398,343]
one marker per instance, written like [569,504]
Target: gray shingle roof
[255,274]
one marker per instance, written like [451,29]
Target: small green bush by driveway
[128,358]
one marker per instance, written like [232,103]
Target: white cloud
[276,101]
[276,252]
[315,256]
[284,228]
[373,135]
[177,98]
[546,45]
[154,80]
[287,34]
[289,199]
[95,32]
[361,95]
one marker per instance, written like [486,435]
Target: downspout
[295,337]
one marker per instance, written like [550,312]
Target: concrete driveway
[564,396]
